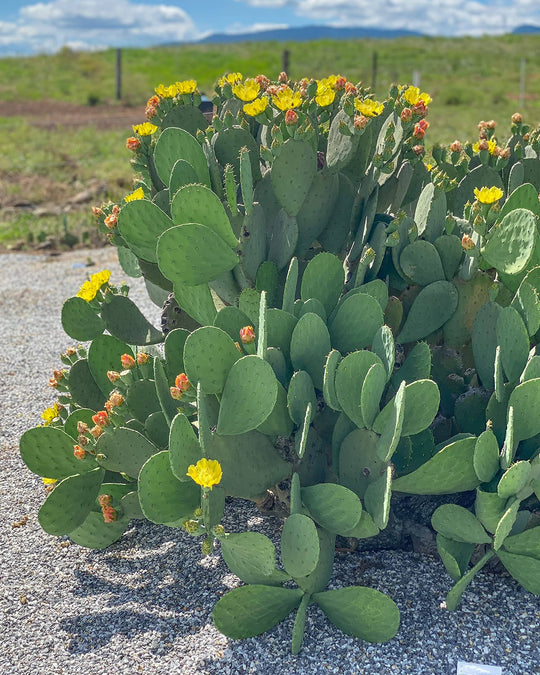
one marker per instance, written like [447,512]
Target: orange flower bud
[340,83]
[104,500]
[58,374]
[418,150]
[491,124]
[351,89]
[283,77]
[181,382]
[176,393]
[526,137]
[111,221]
[262,81]
[133,143]
[483,145]
[53,383]
[97,211]
[456,147]
[466,242]
[96,431]
[142,358]
[109,514]
[115,210]
[360,121]
[406,115]
[80,453]
[82,427]
[418,132]
[127,361]
[108,406]
[517,118]
[113,375]
[71,351]
[247,335]
[153,101]
[101,418]
[150,111]
[420,108]
[116,399]
[291,117]
[82,440]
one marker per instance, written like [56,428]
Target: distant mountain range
[304,33]
[520,30]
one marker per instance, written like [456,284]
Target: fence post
[285,61]
[374,71]
[118,74]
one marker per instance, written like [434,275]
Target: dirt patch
[52,114]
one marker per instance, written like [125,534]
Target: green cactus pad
[310,345]
[282,232]
[329,268]
[459,524]
[377,498]
[430,212]
[432,308]
[103,355]
[417,366]
[231,320]
[209,354]
[489,509]
[278,423]
[421,262]
[455,555]
[372,390]
[128,262]
[511,245]
[450,252]
[184,448]
[196,301]
[513,338]
[391,433]
[332,506]
[169,406]
[249,462]
[182,174]
[141,223]
[68,505]
[299,545]
[193,254]
[422,400]
[318,579]
[486,456]
[484,342]
[83,387]
[329,380]
[125,321]
[125,450]
[249,303]
[506,523]
[164,499]
[249,396]
[292,174]
[156,428]
[383,346]
[362,612]
[525,196]
[80,320]
[300,394]
[252,557]
[316,210]
[95,533]
[198,204]
[280,329]
[525,300]
[359,464]
[357,320]
[174,144]
[186,117]
[349,381]
[227,145]
[253,238]
[514,479]
[174,352]
[333,237]
[450,470]
[525,543]
[524,569]
[251,610]
[142,399]
[48,452]
[341,147]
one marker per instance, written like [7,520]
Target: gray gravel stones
[144,605]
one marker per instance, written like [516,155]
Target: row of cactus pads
[341,321]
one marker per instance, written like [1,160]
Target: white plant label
[464,668]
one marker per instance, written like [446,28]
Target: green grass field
[468,78]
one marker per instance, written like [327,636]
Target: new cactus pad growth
[341,325]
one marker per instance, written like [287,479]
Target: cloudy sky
[28,27]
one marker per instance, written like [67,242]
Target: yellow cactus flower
[145,129]
[186,86]
[412,95]
[89,289]
[207,472]
[247,91]
[368,108]
[487,195]
[166,92]
[230,78]
[136,194]
[258,106]
[325,93]
[286,99]
[50,414]
[49,481]
[490,146]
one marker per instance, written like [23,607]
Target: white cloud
[47,26]
[238,28]
[432,17]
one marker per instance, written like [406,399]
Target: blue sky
[29,27]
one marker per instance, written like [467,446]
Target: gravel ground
[144,605]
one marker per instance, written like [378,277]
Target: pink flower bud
[127,361]
[466,242]
[82,427]
[96,431]
[360,121]
[112,375]
[283,77]
[97,211]
[418,150]
[247,335]
[109,514]
[176,393]
[291,117]
[105,500]
[418,132]
[142,358]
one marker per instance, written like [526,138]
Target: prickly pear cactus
[342,325]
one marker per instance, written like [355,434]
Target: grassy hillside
[468,78]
